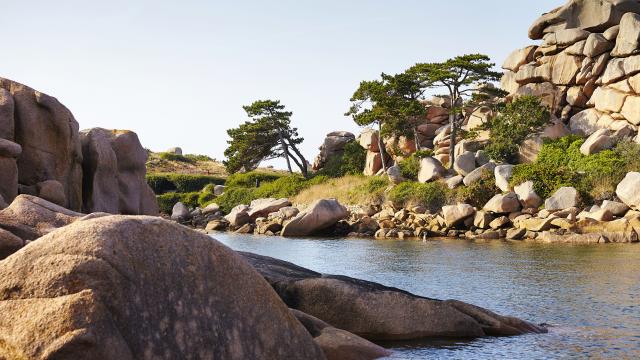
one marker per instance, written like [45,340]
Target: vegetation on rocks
[351,162]
[430,195]
[410,167]
[350,189]
[181,183]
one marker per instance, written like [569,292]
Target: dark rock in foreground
[119,287]
[377,312]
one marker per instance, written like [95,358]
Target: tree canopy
[268,135]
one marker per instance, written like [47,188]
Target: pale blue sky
[178,72]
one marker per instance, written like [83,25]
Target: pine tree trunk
[381,147]
[416,138]
[285,150]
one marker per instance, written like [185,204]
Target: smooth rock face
[29,217]
[564,198]
[455,214]
[332,146]
[503,174]
[395,175]
[477,174]
[503,204]
[598,141]
[628,35]
[114,168]
[264,207]
[527,195]
[52,191]
[48,136]
[180,212]
[629,190]
[238,216]
[93,290]
[321,214]
[465,163]
[377,312]
[430,170]
[9,243]
[616,208]
[338,344]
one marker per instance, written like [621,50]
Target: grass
[349,190]
[182,183]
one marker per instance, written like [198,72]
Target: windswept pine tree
[268,135]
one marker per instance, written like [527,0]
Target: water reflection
[591,294]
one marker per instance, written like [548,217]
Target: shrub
[248,179]
[196,158]
[420,154]
[509,129]
[175,157]
[286,186]
[430,195]
[168,200]
[410,167]
[351,162]
[183,183]
[478,193]
[234,197]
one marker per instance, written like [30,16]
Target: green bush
[183,183]
[560,163]
[168,200]
[234,197]
[410,167]
[525,115]
[478,193]
[248,179]
[420,154]
[175,157]
[195,158]
[432,195]
[351,162]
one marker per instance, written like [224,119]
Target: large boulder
[503,203]
[593,16]
[430,170]
[122,287]
[527,195]
[629,190]
[264,207]
[9,153]
[564,198]
[465,163]
[114,173]
[378,312]
[455,214]
[29,217]
[332,146]
[503,174]
[48,136]
[320,215]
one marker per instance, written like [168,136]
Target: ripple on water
[590,294]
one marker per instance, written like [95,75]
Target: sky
[179,72]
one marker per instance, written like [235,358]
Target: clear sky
[178,72]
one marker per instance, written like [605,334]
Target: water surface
[590,294]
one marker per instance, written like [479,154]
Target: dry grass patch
[348,190]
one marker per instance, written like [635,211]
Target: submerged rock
[378,312]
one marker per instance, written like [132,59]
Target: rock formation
[114,169]
[332,146]
[587,68]
[377,312]
[42,154]
[120,287]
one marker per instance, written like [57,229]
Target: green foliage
[410,167]
[196,158]
[432,195]
[478,193]
[248,179]
[168,200]
[351,162]
[242,190]
[268,135]
[175,157]
[421,154]
[560,163]
[183,183]
[508,130]
[375,184]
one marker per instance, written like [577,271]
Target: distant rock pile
[587,68]
[42,153]
[332,146]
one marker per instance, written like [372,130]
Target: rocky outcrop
[114,169]
[378,312]
[40,143]
[586,68]
[41,154]
[320,215]
[108,288]
[332,146]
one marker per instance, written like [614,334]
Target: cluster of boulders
[43,153]
[104,286]
[586,68]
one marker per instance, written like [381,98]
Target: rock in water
[319,216]
[338,344]
[114,173]
[120,287]
[377,312]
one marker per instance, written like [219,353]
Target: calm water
[590,294]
